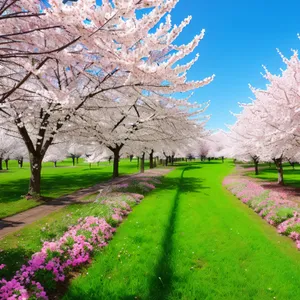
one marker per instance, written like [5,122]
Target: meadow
[56,182]
[192,239]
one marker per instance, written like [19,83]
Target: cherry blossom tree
[141,127]
[20,152]
[106,51]
[7,145]
[270,124]
[56,153]
[243,137]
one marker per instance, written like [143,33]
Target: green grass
[17,248]
[251,165]
[291,177]
[56,182]
[191,239]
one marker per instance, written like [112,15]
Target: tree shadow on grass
[291,177]
[4,223]
[53,184]
[160,282]
[58,181]
[13,258]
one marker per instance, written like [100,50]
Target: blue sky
[241,36]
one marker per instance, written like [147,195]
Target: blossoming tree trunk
[116,151]
[255,161]
[6,163]
[278,164]
[151,159]
[20,162]
[1,164]
[142,166]
[35,178]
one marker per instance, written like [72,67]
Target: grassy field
[17,248]
[56,182]
[191,239]
[291,177]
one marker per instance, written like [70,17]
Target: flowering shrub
[274,207]
[137,197]
[121,186]
[120,209]
[56,259]
[291,228]
[148,185]
[68,247]
[152,180]
[139,185]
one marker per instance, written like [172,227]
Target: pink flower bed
[56,259]
[122,186]
[137,197]
[120,209]
[147,185]
[75,248]
[273,206]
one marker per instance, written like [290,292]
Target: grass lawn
[17,248]
[191,239]
[291,177]
[56,182]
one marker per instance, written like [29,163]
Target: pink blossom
[274,206]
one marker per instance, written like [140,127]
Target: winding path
[13,223]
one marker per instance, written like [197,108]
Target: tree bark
[142,167]
[77,160]
[6,163]
[130,158]
[73,160]
[116,151]
[172,159]
[116,163]
[166,159]
[292,164]
[256,167]
[151,159]
[1,168]
[55,164]
[278,164]
[138,161]
[255,161]
[20,162]
[35,178]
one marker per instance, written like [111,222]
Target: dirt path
[13,223]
